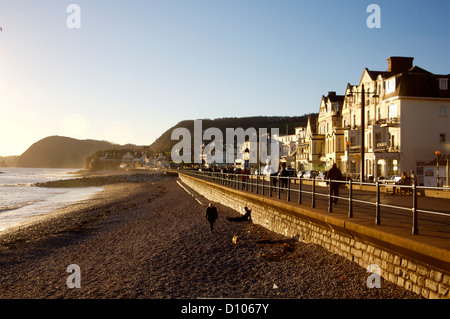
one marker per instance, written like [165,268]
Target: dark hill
[283,123]
[66,152]
[61,152]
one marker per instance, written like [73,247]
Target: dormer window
[443,84]
[390,85]
[329,109]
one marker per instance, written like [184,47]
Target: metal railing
[314,189]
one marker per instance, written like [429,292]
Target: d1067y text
[244,308]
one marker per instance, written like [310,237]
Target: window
[442,138]
[443,110]
[390,85]
[443,84]
[352,166]
[378,137]
[393,140]
[392,167]
[393,111]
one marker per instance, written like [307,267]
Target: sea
[21,202]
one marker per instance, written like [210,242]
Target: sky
[126,71]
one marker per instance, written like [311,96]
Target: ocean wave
[16,206]
[17,185]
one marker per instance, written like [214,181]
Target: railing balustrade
[260,184]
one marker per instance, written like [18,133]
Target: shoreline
[101,178]
[70,217]
[64,219]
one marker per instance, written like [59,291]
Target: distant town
[127,159]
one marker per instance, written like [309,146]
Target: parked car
[390,179]
[310,174]
[321,176]
[290,171]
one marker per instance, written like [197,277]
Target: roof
[336,98]
[312,124]
[374,74]
[442,160]
[420,83]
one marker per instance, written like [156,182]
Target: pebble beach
[148,239]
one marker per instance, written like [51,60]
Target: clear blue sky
[136,68]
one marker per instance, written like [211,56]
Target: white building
[406,119]
[310,149]
[330,126]
[288,147]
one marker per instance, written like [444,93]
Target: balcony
[355,149]
[385,147]
[381,146]
[394,148]
[394,121]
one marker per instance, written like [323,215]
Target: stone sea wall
[415,266]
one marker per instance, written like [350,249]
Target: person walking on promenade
[334,174]
[211,215]
[283,175]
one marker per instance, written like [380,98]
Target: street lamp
[363,124]
[437,167]
[246,158]
[348,159]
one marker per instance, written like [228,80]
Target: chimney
[399,64]
[331,93]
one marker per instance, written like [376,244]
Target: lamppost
[348,159]
[437,167]
[363,124]
[447,174]
[246,159]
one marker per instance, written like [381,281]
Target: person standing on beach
[211,216]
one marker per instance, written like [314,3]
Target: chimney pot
[398,64]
